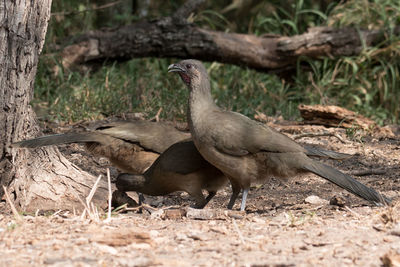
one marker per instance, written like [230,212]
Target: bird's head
[129,182]
[190,70]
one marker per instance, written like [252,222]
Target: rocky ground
[285,224]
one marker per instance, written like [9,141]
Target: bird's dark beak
[175,68]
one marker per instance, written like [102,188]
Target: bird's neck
[200,102]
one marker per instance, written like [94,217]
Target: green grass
[143,85]
[367,83]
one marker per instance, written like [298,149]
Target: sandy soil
[279,228]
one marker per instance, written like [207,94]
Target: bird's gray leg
[244,197]
[235,193]
[201,203]
[209,197]
[141,198]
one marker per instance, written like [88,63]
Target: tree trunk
[42,178]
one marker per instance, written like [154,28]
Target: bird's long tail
[58,139]
[346,182]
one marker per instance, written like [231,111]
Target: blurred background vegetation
[367,83]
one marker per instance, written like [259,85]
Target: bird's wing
[237,135]
[122,130]
[152,136]
[182,157]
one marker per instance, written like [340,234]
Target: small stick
[124,207]
[95,212]
[91,194]
[157,116]
[353,212]
[55,213]
[90,209]
[298,136]
[238,232]
[368,172]
[147,207]
[120,208]
[13,209]
[109,195]
[315,208]
[85,208]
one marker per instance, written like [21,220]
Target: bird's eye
[188,66]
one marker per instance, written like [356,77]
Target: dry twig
[157,116]
[353,212]
[368,172]
[13,209]
[90,208]
[298,136]
[109,195]
[238,232]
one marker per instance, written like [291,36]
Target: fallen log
[174,36]
[334,116]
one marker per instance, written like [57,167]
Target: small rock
[258,220]
[181,237]
[396,230]
[155,201]
[201,214]
[157,214]
[154,233]
[196,236]
[391,259]
[389,239]
[81,241]
[338,201]
[136,246]
[106,249]
[280,219]
[315,200]
[120,198]
[120,237]
[174,214]
[135,261]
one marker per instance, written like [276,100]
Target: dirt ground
[285,224]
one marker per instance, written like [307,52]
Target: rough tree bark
[334,116]
[42,178]
[174,37]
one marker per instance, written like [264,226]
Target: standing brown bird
[131,146]
[179,168]
[247,151]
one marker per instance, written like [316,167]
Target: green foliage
[248,91]
[11,226]
[293,19]
[371,14]
[143,85]
[68,19]
[367,83]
